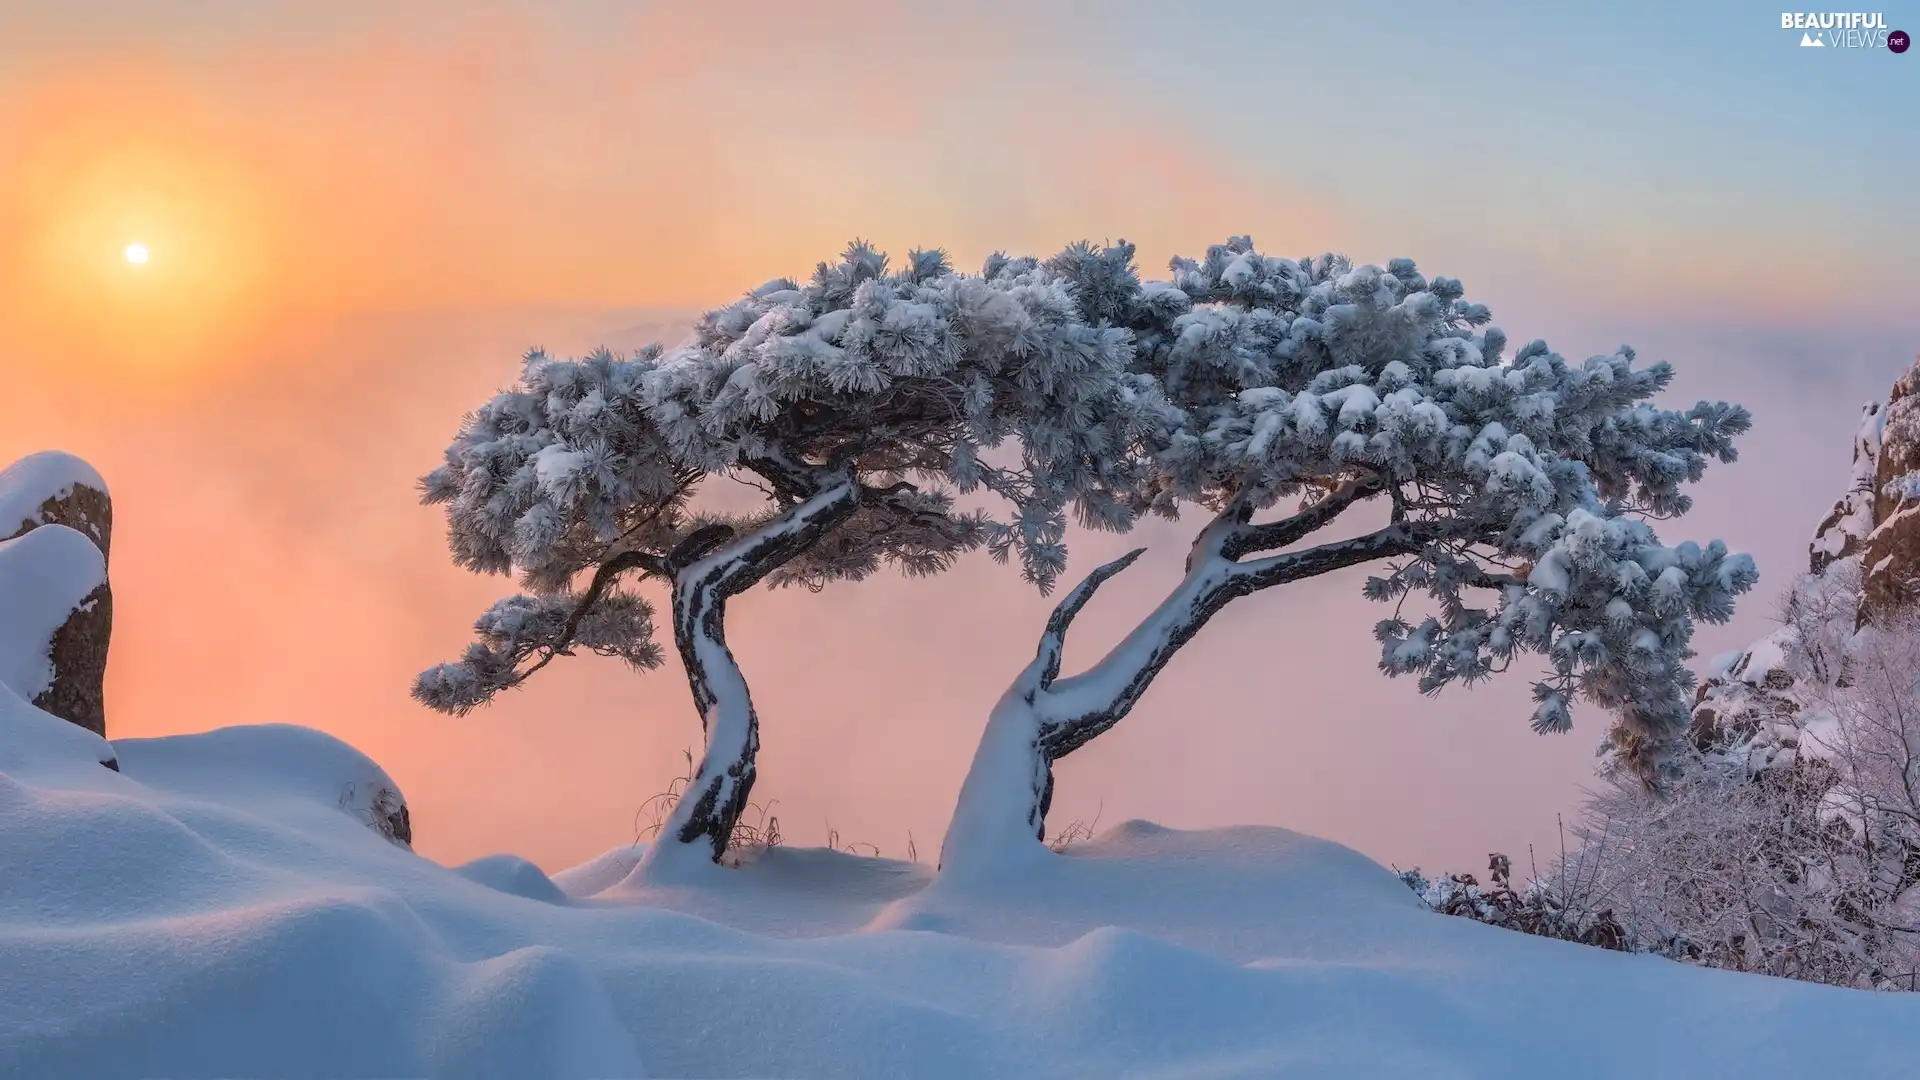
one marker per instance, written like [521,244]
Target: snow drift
[212,911]
[220,907]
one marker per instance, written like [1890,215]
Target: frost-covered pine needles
[1511,492]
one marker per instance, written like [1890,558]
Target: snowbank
[216,910]
[211,911]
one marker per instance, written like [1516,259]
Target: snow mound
[1265,892]
[211,912]
[535,1011]
[33,742]
[45,575]
[294,768]
[27,484]
[788,892]
[514,876]
[600,873]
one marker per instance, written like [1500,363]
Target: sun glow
[153,250]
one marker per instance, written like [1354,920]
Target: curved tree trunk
[702,822]
[711,804]
[1000,818]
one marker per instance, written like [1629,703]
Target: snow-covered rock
[275,763]
[58,613]
[55,489]
[1843,533]
[1863,564]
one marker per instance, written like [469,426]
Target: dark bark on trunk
[1215,579]
[1070,712]
[711,805]
[720,789]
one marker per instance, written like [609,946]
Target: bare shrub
[1791,847]
[1075,832]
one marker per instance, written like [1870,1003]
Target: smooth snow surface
[598,874]
[512,875]
[44,576]
[300,769]
[28,483]
[213,911]
[35,740]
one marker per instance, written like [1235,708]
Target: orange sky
[504,160]
[358,221]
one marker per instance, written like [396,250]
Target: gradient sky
[359,217]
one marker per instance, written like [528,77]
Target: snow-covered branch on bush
[1799,860]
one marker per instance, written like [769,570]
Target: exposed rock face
[1892,553]
[1890,560]
[54,488]
[1863,564]
[1899,445]
[79,650]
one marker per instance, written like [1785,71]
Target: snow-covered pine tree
[859,404]
[1510,492]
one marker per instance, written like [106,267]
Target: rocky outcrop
[1890,559]
[55,488]
[1843,532]
[1863,565]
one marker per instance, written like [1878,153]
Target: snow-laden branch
[1247,539]
[519,635]
[860,403]
[1520,489]
[1053,639]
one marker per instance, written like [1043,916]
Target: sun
[137,254]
